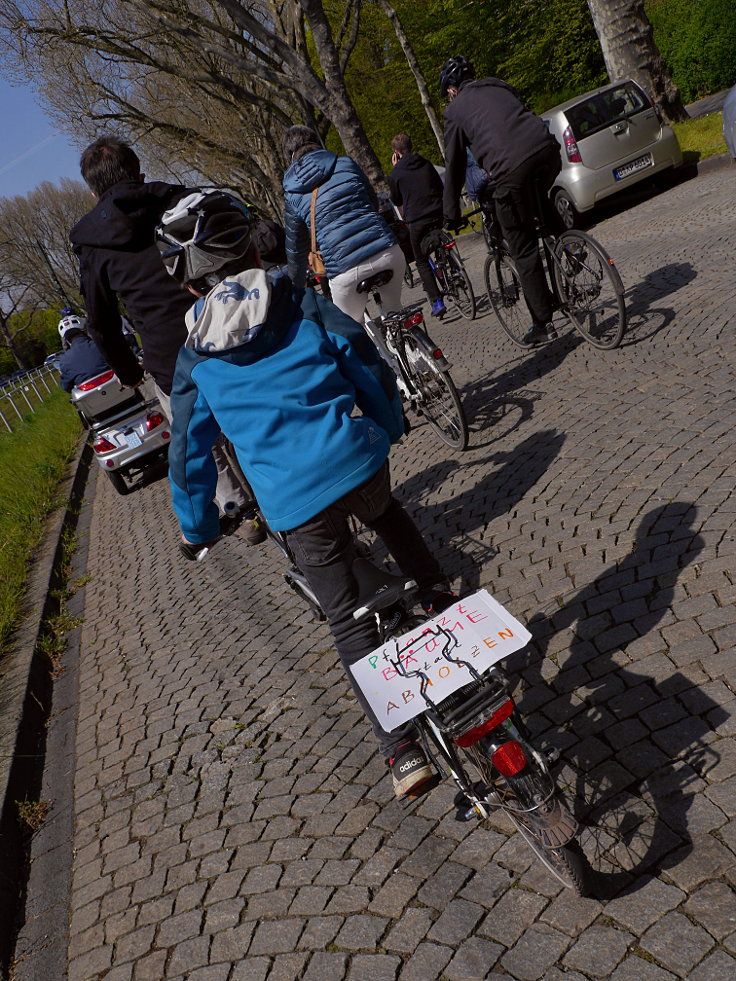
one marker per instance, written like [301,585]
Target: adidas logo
[410,764]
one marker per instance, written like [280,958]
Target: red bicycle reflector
[97,380]
[437,354]
[477,732]
[450,245]
[571,147]
[102,445]
[413,321]
[153,419]
[509,759]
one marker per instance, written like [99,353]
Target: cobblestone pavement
[233,820]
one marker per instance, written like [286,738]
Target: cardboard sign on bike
[477,630]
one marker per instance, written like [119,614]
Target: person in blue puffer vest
[279,371]
[353,238]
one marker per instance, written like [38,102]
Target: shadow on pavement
[510,476]
[641,299]
[636,732]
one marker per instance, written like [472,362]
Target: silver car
[610,138]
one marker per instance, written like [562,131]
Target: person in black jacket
[516,148]
[416,187]
[118,260]
[81,358]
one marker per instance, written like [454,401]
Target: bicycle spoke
[590,289]
[505,296]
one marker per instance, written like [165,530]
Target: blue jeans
[325,551]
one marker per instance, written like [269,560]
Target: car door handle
[619,127]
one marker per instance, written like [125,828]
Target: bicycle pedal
[421,790]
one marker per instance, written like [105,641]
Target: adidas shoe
[410,769]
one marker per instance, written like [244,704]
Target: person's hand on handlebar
[456,225]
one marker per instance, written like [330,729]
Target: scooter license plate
[133,439]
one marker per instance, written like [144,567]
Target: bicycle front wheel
[590,289]
[437,398]
[459,287]
[506,295]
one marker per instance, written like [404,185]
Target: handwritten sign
[476,631]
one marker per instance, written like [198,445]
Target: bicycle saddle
[377,588]
[375,281]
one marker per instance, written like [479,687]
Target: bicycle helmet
[454,71]
[70,325]
[204,236]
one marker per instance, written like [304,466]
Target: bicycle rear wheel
[506,295]
[590,289]
[438,400]
[459,287]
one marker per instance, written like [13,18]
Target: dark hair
[106,162]
[401,143]
[299,140]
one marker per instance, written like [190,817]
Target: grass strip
[701,137]
[33,460]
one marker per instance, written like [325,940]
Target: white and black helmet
[69,324]
[203,234]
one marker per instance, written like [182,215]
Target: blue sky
[31,149]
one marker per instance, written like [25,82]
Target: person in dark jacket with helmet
[81,358]
[417,188]
[516,148]
[354,240]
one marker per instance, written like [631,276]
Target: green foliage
[34,342]
[33,459]
[698,42]
[701,137]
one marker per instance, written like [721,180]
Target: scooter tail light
[509,759]
[571,147]
[477,732]
[102,445]
[91,383]
[413,321]
[154,419]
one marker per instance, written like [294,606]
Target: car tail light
[477,732]
[154,419]
[509,759]
[94,382]
[571,147]
[102,445]
[414,320]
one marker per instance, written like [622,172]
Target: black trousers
[324,550]
[515,200]
[417,231]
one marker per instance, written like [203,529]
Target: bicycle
[585,283]
[475,735]
[449,271]
[421,369]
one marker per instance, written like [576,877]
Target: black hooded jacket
[416,186]
[488,116]
[119,259]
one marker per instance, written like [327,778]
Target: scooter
[128,427]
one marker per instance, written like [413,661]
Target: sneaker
[438,600]
[249,528]
[410,769]
[438,308]
[540,334]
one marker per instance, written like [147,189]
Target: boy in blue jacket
[279,371]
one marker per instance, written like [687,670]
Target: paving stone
[713,906]
[635,968]
[426,963]
[456,922]
[374,967]
[277,937]
[677,943]
[598,951]
[392,898]
[326,967]
[252,969]
[409,931]
[473,959]
[643,905]
[511,916]
[537,950]
[718,966]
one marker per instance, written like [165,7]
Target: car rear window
[605,108]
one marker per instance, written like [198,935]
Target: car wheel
[566,209]
[118,481]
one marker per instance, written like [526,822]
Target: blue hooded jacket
[279,372]
[349,227]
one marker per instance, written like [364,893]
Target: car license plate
[133,439]
[641,163]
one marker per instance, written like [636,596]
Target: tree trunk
[416,71]
[341,110]
[629,50]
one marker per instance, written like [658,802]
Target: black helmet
[203,234]
[454,71]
